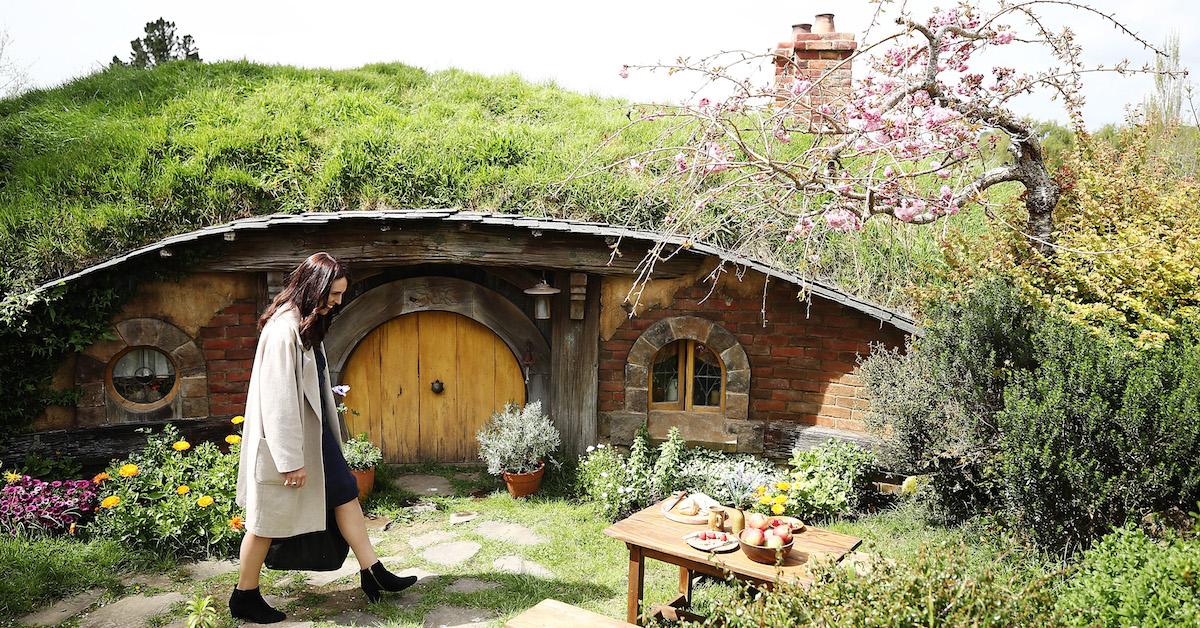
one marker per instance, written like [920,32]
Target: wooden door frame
[421,294]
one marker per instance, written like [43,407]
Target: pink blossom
[1003,37]
[635,166]
[624,73]
[791,237]
[681,163]
[947,193]
[783,136]
[888,171]
[718,158]
[801,86]
[804,225]
[909,209]
[703,103]
[842,219]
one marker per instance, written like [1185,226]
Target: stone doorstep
[458,617]
[63,609]
[453,553]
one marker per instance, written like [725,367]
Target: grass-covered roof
[125,156]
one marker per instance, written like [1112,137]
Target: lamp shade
[541,299]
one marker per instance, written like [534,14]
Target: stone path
[518,565]
[430,538]
[509,532]
[206,569]
[424,484]
[355,618]
[451,554]
[457,617]
[471,585]
[63,609]
[463,517]
[322,578]
[153,581]
[131,611]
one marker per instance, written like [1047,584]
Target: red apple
[774,542]
[783,531]
[753,536]
[756,520]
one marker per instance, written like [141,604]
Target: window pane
[706,378]
[143,375]
[665,376]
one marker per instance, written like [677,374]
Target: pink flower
[718,158]
[1003,37]
[624,73]
[783,136]
[801,86]
[842,219]
[947,193]
[681,163]
[888,171]
[635,165]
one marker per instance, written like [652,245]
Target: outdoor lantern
[541,299]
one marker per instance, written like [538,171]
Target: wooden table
[649,534]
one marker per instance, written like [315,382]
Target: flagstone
[457,617]
[322,578]
[430,538]
[355,618]
[206,569]
[509,532]
[471,585]
[519,565]
[152,581]
[424,484]
[131,611]
[451,553]
[63,609]
[462,517]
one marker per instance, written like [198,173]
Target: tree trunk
[1041,196]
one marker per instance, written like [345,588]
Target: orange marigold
[235,522]
[110,501]
[100,477]
[205,501]
[183,490]
[181,445]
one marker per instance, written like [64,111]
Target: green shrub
[173,498]
[1129,579]
[823,482]
[1099,434]
[517,439]
[602,478]
[361,454]
[667,466]
[936,588]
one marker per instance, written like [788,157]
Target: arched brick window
[688,364]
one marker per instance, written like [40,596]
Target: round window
[143,375]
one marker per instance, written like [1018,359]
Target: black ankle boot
[251,606]
[378,579]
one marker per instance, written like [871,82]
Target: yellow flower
[233,439]
[760,490]
[780,499]
[71,530]
[182,445]
[100,477]
[110,501]
[237,420]
[204,502]
[128,470]
[777,509]
[236,523]
[12,476]
[183,490]
[783,486]
[764,500]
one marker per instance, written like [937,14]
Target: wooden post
[574,351]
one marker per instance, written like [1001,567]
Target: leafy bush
[29,506]
[936,588]
[173,498]
[603,478]
[517,440]
[727,478]
[1129,579]
[361,454]
[823,482]
[667,466]
[1099,434]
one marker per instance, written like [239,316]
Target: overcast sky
[579,45]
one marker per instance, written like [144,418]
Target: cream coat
[282,433]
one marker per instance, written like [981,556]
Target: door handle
[437,386]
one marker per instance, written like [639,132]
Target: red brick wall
[802,362]
[228,342]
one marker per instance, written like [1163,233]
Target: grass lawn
[589,569]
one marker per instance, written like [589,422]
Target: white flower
[590,449]
[599,446]
[604,474]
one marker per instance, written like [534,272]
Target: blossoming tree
[915,137]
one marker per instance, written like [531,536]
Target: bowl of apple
[763,543]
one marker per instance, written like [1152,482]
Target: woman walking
[291,470]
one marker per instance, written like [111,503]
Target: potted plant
[516,443]
[361,456]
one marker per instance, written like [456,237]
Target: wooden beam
[574,356]
[364,246]
[93,447]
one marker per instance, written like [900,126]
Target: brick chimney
[819,54]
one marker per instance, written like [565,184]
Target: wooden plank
[400,390]
[551,613]
[362,375]
[476,384]
[510,379]
[660,538]
[438,348]
[573,367]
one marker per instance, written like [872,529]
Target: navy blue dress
[340,486]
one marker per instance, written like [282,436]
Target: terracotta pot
[824,23]
[522,484]
[366,481]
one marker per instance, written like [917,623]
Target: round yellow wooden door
[422,385]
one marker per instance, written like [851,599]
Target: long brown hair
[307,289]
